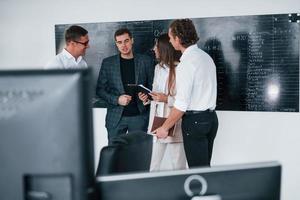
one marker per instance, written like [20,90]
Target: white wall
[27,41]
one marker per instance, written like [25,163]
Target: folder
[158,122]
[140,88]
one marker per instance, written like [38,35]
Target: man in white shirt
[77,41]
[196,95]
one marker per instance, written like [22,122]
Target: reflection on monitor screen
[259,181]
[46,140]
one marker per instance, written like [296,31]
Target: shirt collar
[165,67]
[187,50]
[70,56]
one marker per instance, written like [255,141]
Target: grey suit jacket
[110,85]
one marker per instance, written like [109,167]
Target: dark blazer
[110,85]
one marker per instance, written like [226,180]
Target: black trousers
[199,131]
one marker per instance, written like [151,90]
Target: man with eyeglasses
[125,112]
[77,41]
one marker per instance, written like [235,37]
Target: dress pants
[177,155]
[199,130]
[129,124]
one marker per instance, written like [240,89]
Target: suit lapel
[118,74]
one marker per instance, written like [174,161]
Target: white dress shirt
[65,60]
[196,81]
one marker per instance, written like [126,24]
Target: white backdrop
[27,41]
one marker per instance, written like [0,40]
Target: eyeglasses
[83,43]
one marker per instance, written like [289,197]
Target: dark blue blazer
[110,85]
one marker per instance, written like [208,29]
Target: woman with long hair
[163,92]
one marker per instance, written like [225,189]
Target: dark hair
[122,31]
[168,55]
[74,33]
[185,30]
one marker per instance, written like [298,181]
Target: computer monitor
[46,137]
[260,181]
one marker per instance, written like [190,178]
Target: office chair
[127,153]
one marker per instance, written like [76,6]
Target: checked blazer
[110,85]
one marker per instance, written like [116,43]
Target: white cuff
[180,105]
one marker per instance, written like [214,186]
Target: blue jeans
[129,124]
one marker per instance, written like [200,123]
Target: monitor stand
[210,197]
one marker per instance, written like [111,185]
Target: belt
[191,112]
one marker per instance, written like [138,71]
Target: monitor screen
[46,139]
[259,181]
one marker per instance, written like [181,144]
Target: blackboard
[257,56]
